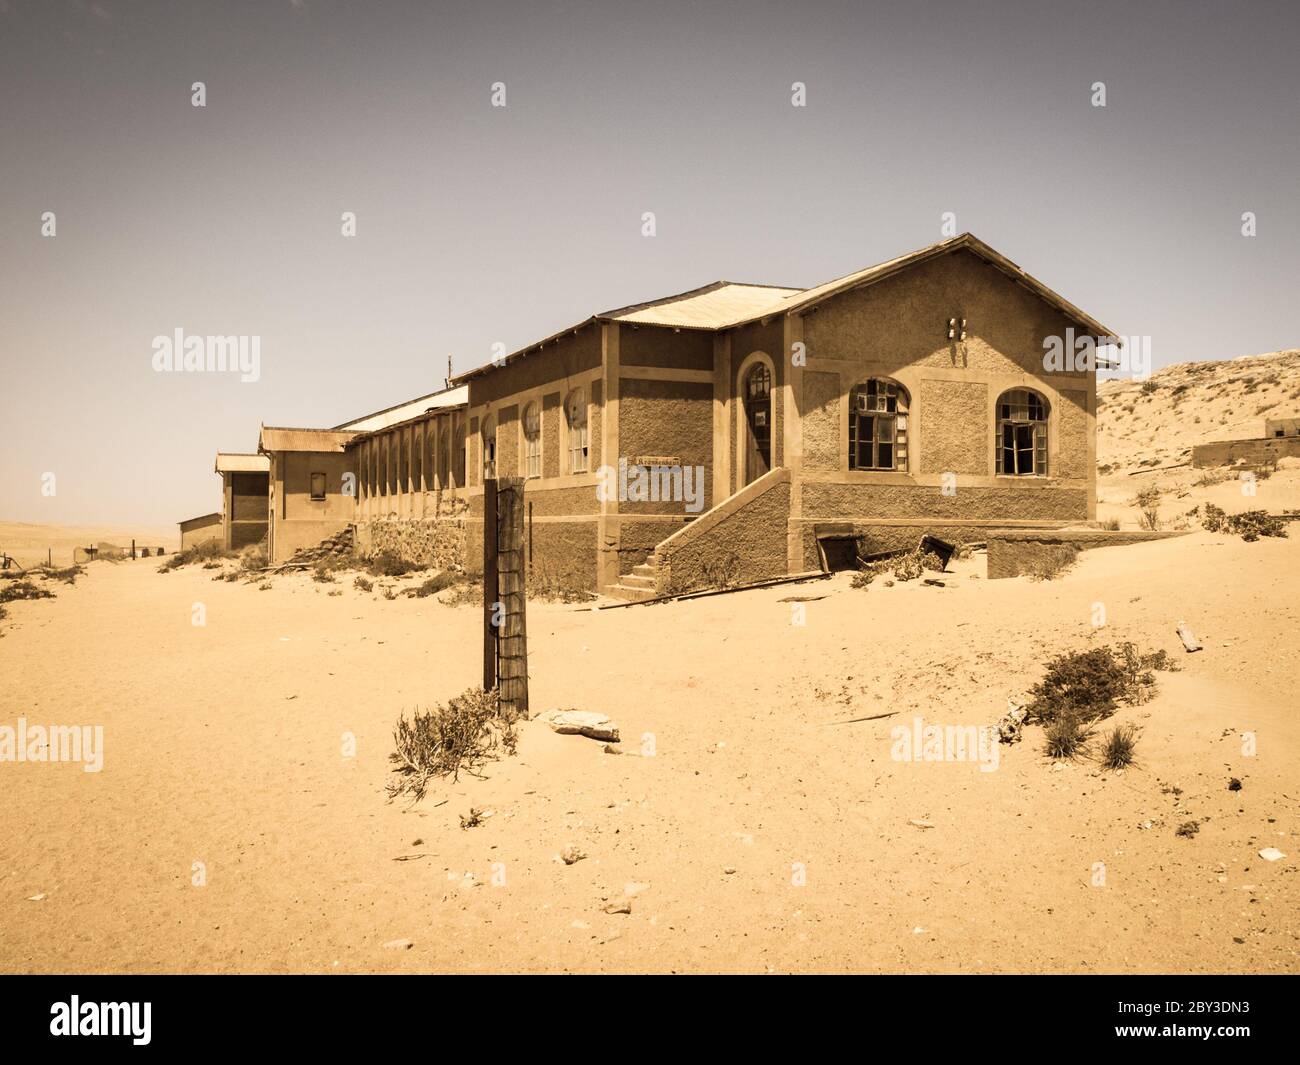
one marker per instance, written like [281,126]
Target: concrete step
[630,594]
[645,570]
[636,580]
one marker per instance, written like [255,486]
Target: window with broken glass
[1022,434]
[878,426]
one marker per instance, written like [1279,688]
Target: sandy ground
[33,545]
[224,746]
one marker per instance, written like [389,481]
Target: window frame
[1039,456]
[890,405]
[311,487]
[530,427]
[488,440]
[577,398]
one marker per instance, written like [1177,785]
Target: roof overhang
[241,462]
[319,441]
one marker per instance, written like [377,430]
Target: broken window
[575,411]
[878,426]
[489,448]
[1022,434]
[318,486]
[444,457]
[532,441]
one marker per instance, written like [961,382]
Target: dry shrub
[23,589]
[437,583]
[67,575]
[907,566]
[547,584]
[1118,750]
[464,734]
[1048,565]
[322,574]
[390,564]
[252,559]
[1087,686]
[1066,737]
[363,584]
[1250,525]
[1148,502]
[1111,524]
[209,552]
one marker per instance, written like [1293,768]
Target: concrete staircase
[637,585]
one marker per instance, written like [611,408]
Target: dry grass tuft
[464,734]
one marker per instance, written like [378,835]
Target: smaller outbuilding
[201,530]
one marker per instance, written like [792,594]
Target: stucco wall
[748,544]
[666,419]
[647,346]
[1227,452]
[897,328]
[835,500]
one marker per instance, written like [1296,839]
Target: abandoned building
[201,530]
[728,433]
[906,398]
[1281,440]
[243,498]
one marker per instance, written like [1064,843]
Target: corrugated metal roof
[717,306]
[442,400]
[276,438]
[214,516]
[241,462]
[724,304]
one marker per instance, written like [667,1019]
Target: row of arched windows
[577,441]
[878,429]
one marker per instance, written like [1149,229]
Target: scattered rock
[1234,784]
[36,898]
[398,944]
[918,822]
[618,907]
[571,854]
[1013,721]
[1271,854]
[584,723]
[728,869]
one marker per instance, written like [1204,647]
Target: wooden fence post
[490,597]
[512,640]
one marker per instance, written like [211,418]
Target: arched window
[575,413]
[758,421]
[489,447]
[1021,442]
[878,426]
[444,458]
[532,424]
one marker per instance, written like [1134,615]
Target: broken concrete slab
[584,723]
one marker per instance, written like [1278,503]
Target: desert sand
[769,832]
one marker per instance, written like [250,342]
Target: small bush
[363,584]
[1250,525]
[1111,524]
[1187,829]
[1118,751]
[1066,737]
[1088,685]
[1148,387]
[389,564]
[23,589]
[464,734]
[252,558]
[322,574]
[209,551]
[1048,565]
[1148,502]
[437,583]
[907,566]
[68,575]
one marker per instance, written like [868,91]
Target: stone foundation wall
[438,543]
